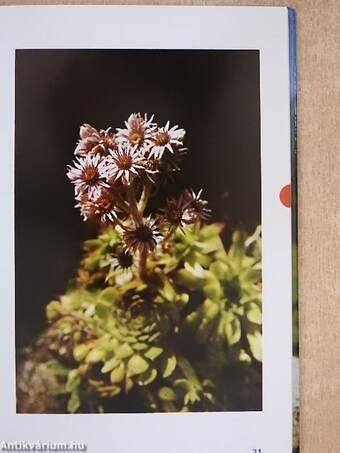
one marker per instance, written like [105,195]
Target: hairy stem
[144,197]
[142,263]
[121,224]
[133,204]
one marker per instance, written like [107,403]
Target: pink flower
[143,237]
[165,138]
[138,130]
[102,207]
[87,175]
[92,141]
[195,208]
[123,164]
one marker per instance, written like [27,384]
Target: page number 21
[256,450]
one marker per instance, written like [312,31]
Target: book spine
[293,132]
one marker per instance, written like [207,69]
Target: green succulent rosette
[168,340]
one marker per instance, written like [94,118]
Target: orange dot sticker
[286,196]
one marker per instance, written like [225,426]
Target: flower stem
[144,197]
[142,263]
[133,204]
[121,224]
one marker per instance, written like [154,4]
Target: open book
[149,241]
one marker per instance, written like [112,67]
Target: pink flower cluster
[115,173]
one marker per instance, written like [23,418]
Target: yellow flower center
[136,137]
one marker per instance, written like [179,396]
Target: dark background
[214,95]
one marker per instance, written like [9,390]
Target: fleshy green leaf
[80,352]
[95,355]
[188,371]
[211,311]
[124,351]
[73,380]
[211,230]
[137,365]
[92,263]
[153,353]
[54,367]
[73,403]
[219,270]
[189,280]
[91,244]
[255,344]
[109,365]
[102,310]
[254,313]
[147,377]
[168,366]
[167,394]
[53,309]
[168,291]
[117,375]
[213,289]
[232,329]
[109,294]
[140,346]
